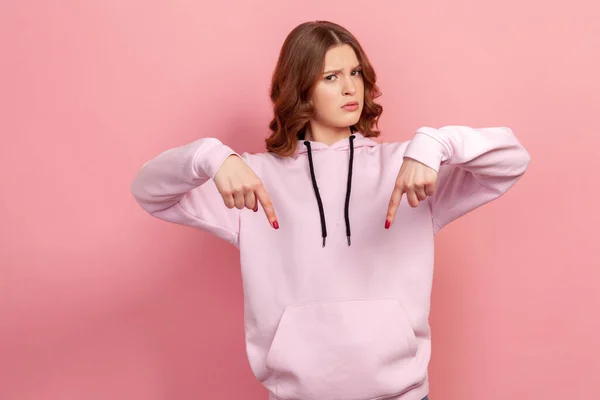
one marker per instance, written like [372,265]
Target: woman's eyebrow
[332,71]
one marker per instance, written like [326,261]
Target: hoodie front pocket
[344,350]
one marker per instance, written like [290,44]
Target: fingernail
[387,224]
[275,225]
[255,209]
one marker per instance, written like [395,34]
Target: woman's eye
[353,73]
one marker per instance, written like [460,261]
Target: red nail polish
[387,224]
[275,225]
[255,209]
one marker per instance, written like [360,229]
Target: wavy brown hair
[298,69]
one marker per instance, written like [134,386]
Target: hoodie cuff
[210,157]
[427,150]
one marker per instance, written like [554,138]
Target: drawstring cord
[318,195]
[316,189]
[349,188]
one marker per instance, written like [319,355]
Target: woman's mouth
[351,106]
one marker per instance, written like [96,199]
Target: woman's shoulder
[261,157]
[265,160]
[392,147]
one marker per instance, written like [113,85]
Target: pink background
[100,301]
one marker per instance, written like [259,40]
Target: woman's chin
[348,121]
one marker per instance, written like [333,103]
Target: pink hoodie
[348,320]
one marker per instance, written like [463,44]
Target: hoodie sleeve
[475,166]
[176,186]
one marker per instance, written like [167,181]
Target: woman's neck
[326,135]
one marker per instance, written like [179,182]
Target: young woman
[337,267]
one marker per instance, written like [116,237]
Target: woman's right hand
[241,188]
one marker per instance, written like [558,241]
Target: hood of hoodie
[343,144]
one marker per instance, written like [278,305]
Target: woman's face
[341,83]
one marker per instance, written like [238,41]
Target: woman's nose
[349,87]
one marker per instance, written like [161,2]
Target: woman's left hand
[415,179]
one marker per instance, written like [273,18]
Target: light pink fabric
[343,322]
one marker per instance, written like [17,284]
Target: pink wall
[99,301]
